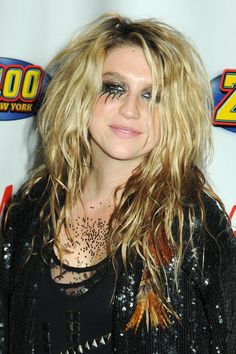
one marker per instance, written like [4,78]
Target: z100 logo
[21,87]
[224,93]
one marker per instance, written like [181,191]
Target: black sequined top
[73,310]
[205,300]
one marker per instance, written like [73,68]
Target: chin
[124,156]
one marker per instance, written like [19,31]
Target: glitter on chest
[88,244]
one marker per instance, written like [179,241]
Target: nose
[129,107]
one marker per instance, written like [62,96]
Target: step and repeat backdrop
[32,32]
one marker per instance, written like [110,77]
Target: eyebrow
[116,75]
[113,74]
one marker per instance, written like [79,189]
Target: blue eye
[148,95]
[112,90]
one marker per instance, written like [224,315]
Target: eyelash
[116,90]
[112,90]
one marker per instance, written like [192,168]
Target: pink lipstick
[123,131]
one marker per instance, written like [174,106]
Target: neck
[105,177]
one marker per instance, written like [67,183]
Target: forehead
[127,60]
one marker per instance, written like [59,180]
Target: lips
[123,131]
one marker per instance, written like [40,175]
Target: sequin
[7,255]
[200,306]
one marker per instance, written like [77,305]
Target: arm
[224,278]
[214,277]
[5,283]
[22,224]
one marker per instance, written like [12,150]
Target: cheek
[93,125]
[96,112]
[155,127]
[99,109]
[96,118]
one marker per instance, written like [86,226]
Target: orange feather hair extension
[147,302]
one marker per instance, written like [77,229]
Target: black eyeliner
[112,89]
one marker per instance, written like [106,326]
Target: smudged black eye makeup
[112,89]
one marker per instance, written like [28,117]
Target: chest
[84,242]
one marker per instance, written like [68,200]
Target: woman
[117,242]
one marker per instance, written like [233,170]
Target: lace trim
[76,281]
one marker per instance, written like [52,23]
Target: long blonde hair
[170,179]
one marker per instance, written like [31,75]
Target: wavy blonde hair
[170,179]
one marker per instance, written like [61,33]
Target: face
[121,127]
